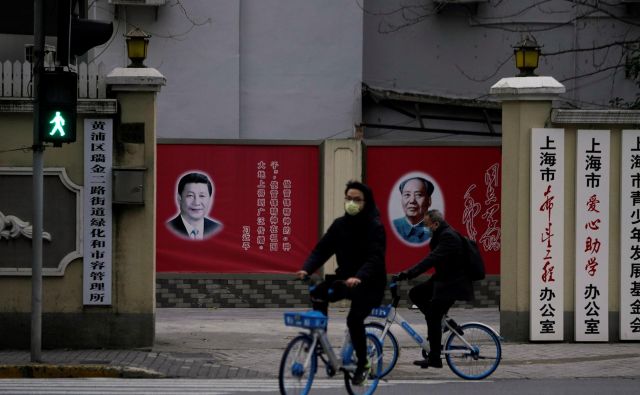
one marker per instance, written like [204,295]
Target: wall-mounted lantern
[527,55]
[137,43]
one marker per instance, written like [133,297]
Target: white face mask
[351,207]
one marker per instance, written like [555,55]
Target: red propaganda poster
[462,182]
[236,208]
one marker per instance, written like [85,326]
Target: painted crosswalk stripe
[108,386]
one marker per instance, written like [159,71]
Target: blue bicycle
[299,362]
[472,350]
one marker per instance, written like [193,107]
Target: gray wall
[455,51]
[250,69]
[291,69]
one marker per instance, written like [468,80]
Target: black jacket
[359,244]
[447,257]
[210,227]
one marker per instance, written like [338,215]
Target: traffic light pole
[57,96]
[38,189]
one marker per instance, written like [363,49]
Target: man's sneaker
[361,374]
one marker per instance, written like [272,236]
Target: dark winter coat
[447,257]
[359,244]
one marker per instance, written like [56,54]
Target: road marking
[109,386]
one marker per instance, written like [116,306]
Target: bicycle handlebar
[393,288]
[312,282]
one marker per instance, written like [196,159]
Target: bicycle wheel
[481,359]
[390,347]
[294,376]
[374,354]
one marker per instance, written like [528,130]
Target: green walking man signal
[58,125]
[57,112]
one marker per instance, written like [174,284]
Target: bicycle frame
[391,316]
[313,344]
[473,357]
[319,336]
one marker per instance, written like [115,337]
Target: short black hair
[370,208]
[366,191]
[428,185]
[194,178]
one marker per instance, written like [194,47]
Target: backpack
[474,262]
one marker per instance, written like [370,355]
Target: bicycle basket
[380,312]
[309,320]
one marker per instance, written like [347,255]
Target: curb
[73,371]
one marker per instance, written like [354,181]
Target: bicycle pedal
[349,368]
[330,371]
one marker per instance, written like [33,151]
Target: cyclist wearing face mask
[358,241]
[435,296]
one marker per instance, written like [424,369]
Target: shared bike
[472,350]
[299,363]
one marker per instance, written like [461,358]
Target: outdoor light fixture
[527,54]
[137,43]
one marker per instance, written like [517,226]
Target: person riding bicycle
[449,283]
[358,241]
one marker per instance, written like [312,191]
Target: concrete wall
[248,69]
[342,162]
[66,322]
[462,50]
[519,117]
[276,291]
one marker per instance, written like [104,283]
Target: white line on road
[109,386]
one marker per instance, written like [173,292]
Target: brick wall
[274,291]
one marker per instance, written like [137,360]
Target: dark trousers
[433,309]
[362,302]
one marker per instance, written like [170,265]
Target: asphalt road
[321,387]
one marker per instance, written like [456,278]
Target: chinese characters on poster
[463,183]
[273,224]
[264,198]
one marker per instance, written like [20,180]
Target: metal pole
[38,195]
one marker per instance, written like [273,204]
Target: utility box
[128,185]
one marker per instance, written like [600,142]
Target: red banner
[241,208]
[466,188]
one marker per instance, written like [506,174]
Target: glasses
[353,199]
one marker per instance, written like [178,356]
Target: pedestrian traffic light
[57,107]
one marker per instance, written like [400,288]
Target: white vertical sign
[592,235]
[547,234]
[97,218]
[630,236]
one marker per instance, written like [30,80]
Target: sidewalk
[248,343]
